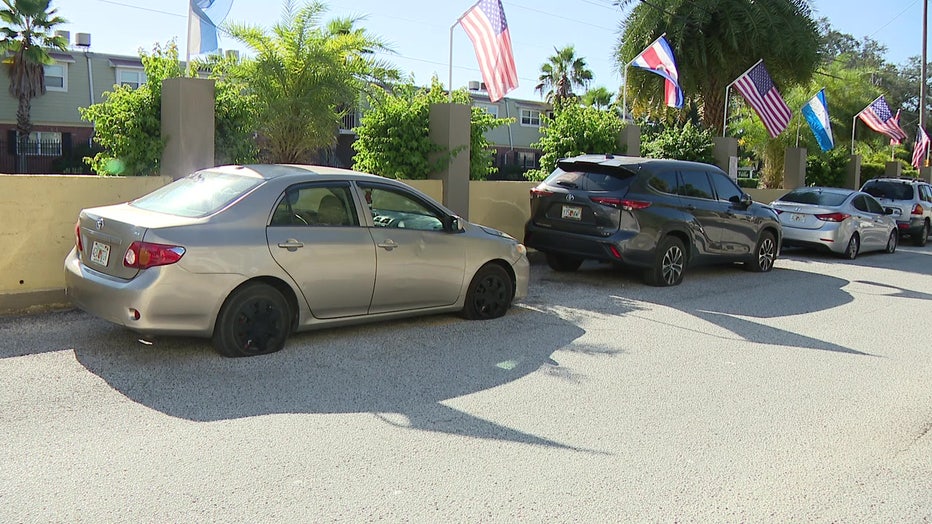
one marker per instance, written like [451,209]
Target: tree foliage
[562,74]
[686,142]
[394,136]
[306,74]
[575,130]
[715,41]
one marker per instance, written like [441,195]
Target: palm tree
[715,41]
[598,97]
[27,34]
[304,75]
[563,72]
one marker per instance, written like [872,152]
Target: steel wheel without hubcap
[854,245]
[255,320]
[670,265]
[489,295]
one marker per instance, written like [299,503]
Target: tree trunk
[23,129]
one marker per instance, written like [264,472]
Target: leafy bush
[750,183]
[872,170]
[681,143]
[827,169]
[575,130]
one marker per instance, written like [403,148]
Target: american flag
[878,117]
[760,92]
[486,26]
[921,150]
[896,119]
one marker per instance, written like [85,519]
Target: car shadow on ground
[718,294]
[913,259]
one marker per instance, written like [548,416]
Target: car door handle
[388,245]
[290,244]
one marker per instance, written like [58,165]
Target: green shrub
[687,142]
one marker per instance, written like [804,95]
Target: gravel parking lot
[799,395]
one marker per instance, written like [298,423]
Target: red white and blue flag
[486,26]
[896,119]
[658,58]
[878,117]
[921,150]
[761,94]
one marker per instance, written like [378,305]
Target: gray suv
[658,215]
[911,201]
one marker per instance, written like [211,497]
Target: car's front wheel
[669,264]
[764,254]
[254,320]
[892,241]
[490,293]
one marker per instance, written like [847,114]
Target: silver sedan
[844,221]
[248,254]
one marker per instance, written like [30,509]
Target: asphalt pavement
[804,394]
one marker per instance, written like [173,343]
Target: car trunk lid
[574,201]
[802,216]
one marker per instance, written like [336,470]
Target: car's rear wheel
[854,246]
[563,263]
[669,265]
[892,241]
[490,293]
[923,235]
[764,254]
[254,320]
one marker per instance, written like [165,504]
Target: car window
[925,192]
[889,189]
[873,206]
[592,178]
[860,203]
[665,182]
[725,188]
[316,205]
[198,195]
[814,197]
[396,208]
[696,184]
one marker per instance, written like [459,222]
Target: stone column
[853,175]
[893,169]
[187,125]
[450,129]
[725,149]
[629,140]
[925,174]
[794,168]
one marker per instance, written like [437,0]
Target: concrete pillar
[629,140]
[794,168]
[726,148]
[187,125]
[853,175]
[450,129]
[925,174]
[893,169]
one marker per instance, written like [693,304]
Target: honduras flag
[816,113]
[203,18]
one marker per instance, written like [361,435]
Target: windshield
[815,197]
[197,195]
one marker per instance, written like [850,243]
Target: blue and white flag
[816,113]
[203,18]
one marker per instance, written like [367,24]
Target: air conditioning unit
[473,85]
[82,39]
[232,54]
[66,35]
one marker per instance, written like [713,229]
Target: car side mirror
[452,224]
[888,211]
[744,200]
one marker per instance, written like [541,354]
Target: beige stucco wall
[503,205]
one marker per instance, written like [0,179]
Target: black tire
[563,263]
[765,253]
[254,320]
[892,241]
[489,294]
[854,246]
[669,265]
[923,235]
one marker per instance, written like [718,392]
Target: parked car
[843,221]
[911,201]
[658,215]
[246,255]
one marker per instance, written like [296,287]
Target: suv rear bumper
[596,248]
[911,227]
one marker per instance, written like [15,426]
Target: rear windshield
[815,197]
[595,179]
[197,195]
[887,189]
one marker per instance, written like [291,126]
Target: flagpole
[450,84]
[854,122]
[725,122]
[187,59]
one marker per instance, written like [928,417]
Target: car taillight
[142,255]
[779,211]
[833,217]
[917,209]
[620,203]
[540,193]
[77,236]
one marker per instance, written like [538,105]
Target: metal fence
[38,157]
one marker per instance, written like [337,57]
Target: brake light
[540,193]
[917,210]
[142,255]
[77,236]
[833,217]
[779,211]
[620,203]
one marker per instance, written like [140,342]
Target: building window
[130,77]
[530,117]
[489,108]
[527,160]
[56,77]
[42,143]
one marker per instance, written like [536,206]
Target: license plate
[796,217]
[100,253]
[572,212]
